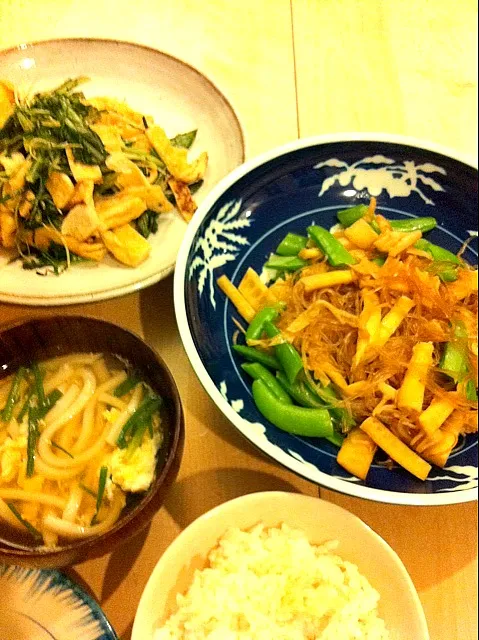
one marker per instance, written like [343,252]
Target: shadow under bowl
[42,339]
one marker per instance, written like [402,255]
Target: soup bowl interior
[43,339]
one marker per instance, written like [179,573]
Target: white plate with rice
[279,566]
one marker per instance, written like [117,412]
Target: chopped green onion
[126,386]
[146,409]
[13,395]
[50,402]
[39,390]
[87,490]
[101,492]
[26,405]
[29,527]
[31,440]
[55,445]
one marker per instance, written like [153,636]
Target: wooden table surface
[292,68]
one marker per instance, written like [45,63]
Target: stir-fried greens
[82,178]
[367,337]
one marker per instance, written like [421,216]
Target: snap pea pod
[291,245]
[299,392]
[255,355]
[285,263]
[12,399]
[304,397]
[258,372]
[438,254]
[336,254]
[312,423]
[414,224]
[347,217]
[375,227]
[256,327]
[287,355]
[330,399]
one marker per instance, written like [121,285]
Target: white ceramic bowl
[399,606]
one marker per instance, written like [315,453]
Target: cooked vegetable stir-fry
[80,179]
[367,337]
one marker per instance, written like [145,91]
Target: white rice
[272,584]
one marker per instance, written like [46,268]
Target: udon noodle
[77,434]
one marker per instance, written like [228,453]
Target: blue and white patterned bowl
[46,605]
[240,224]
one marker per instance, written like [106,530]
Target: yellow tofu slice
[82,193]
[153,196]
[127,245]
[43,236]
[184,201]
[176,159]
[118,210]
[60,187]
[81,222]
[82,171]
[8,229]
[109,135]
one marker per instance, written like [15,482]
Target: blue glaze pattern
[47,604]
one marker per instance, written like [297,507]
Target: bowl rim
[243,503]
[23,556]
[179,294]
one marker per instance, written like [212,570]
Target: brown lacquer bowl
[46,338]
